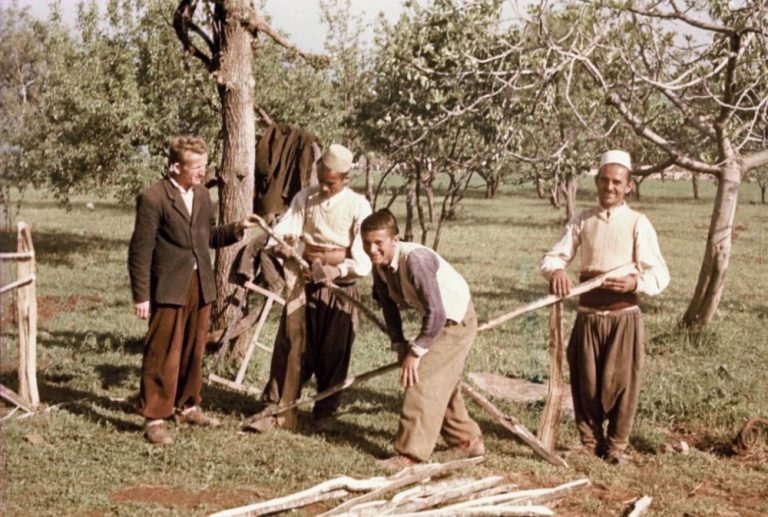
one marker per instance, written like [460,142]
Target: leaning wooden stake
[582,288]
[551,416]
[26,310]
[512,424]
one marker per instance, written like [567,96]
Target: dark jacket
[166,242]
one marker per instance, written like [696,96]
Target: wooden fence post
[26,310]
[547,433]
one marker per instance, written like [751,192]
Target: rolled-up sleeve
[359,264]
[422,268]
[390,309]
[561,254]
[653,275]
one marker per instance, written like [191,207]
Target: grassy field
[700,388]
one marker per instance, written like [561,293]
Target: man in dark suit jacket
[173,286]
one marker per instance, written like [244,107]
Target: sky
[300,19]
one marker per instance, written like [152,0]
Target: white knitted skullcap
[337,158]
[616,156]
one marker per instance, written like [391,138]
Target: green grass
[698,387]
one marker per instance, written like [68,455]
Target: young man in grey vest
[605,351]
[408,275]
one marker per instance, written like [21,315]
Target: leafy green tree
[703,60]
[438,101]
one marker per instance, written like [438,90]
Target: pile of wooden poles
[416,491]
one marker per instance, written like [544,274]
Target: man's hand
[409,370]
[625,284]
[141,310]
[249,222]
[560,283]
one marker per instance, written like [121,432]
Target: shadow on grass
[61,249]
[87,405]
[94,342]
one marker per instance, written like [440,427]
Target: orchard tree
[222,35]
[704,60]
[438,103]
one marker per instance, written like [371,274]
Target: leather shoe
[397,463]
[473,448]
[157,433]
[195,416]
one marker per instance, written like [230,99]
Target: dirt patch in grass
[211,498]
[50,306]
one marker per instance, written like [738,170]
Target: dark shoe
[156,432]
[397,463]
[472,449]
[195,416]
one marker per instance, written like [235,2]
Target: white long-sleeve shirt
[330,223]
[609,238]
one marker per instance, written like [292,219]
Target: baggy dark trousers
[331,322]
[171,369]
[605,355]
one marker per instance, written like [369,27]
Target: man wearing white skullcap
[606,348]
[324,222]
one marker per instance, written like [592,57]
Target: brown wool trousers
[605,355]
[171,371]
[435,406]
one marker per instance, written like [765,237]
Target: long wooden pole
[26,309]
[581,288]
[551,416]
[336,388]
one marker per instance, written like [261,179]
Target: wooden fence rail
[26,315]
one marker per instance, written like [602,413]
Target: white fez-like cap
[337,158]
[616,156]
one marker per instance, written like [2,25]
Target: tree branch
[254,23]
[182,24]
[754,160]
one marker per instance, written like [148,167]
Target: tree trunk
[695,185]
[709,288]
[569,189]
[638,182]
[369,183]
[235,85]
[420,210]
[540,187]
[492,186]
[763,187]
[5,210]
[410,202]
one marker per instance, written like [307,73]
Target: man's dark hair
[178,145]
[380,220]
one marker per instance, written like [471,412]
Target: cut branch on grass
[407,477]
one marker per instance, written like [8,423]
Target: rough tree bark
[235,86]
[695,185]
[410,203]
[709,287]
